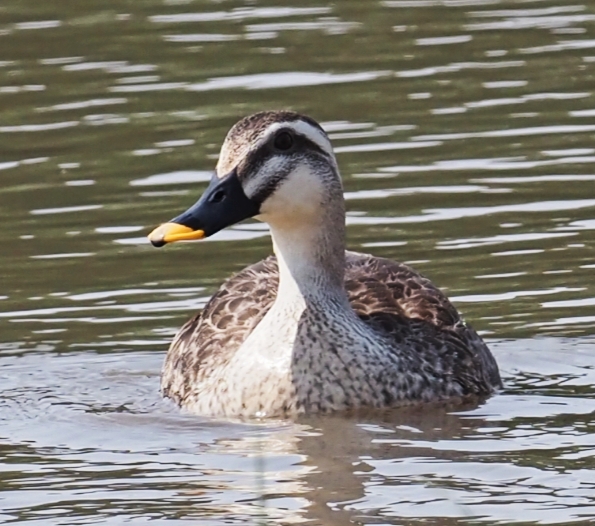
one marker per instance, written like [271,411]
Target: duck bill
[223,203]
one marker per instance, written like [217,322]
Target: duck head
[276,166]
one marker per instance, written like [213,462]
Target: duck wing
[409,310]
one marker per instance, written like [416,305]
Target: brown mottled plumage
[390,297]
[341,330]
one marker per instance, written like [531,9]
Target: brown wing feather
[381,285]
[389,296]
[405,306]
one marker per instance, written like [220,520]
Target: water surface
[465,135]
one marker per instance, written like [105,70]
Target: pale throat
[306,214]
[311,257]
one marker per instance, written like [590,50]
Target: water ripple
[239,14]
[181,177]
[447,214]
[285,79]
[513,132]
[64,210]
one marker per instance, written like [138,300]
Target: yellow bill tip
[172,232]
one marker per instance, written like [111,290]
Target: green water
[465,133]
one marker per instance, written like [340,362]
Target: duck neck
[311,258]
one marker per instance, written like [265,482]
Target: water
[465,135]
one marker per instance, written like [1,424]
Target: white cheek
[272,166]
[298,197]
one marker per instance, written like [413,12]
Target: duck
[314,328]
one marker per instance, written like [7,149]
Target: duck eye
[283,141]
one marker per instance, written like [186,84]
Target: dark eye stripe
[303,146]
[301,143]
[255,160]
